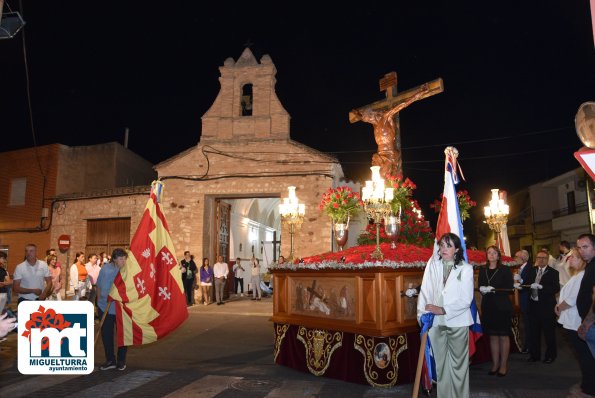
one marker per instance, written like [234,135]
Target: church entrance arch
[244,227]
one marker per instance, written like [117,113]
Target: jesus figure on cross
[388,156]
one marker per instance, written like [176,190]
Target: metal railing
[570,210]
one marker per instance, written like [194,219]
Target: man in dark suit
[522,258]
[545,283]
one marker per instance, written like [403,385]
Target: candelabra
[496,214]
[292,214]
[377,200]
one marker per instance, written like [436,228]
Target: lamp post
[496,214]
[292,214]
[377,200]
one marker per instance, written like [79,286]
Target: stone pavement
[226,351]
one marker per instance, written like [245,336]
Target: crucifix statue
[383,115]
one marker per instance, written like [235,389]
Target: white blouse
[569,318]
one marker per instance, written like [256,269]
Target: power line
[480,140]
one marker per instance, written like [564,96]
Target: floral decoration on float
[358,257]
[415,241]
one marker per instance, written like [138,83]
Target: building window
[571,202]
[18,189]
[247,100]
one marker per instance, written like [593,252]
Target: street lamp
[377,200]
[292,214]
[496,214]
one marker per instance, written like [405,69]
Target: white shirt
[255,269]
[569,318]
[32,277]
[220,270]
[238,270]
[455,296]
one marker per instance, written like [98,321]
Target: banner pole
[420,358]
[109,303]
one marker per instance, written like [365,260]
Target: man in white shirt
[32,279]
[220,270]
[238,273]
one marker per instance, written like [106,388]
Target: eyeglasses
[541,258]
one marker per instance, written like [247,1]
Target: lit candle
[291,192]
[389,194]
[375,173]
[301,209]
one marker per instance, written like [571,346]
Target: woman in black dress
[495,283]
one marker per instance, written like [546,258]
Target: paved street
[226,351]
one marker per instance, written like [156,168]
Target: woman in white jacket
[78,277]
[447,292]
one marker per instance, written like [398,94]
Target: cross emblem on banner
[163,292]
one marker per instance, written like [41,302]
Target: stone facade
[237,157]
[244,157]
[190,204]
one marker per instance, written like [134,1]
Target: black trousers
[585,360]
[238,282]
[107,335]
[189,290]
[543,321]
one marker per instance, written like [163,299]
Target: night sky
[515,74]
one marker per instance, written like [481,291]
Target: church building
[221,196]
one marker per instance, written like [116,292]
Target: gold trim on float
[367,346]
[320,346]
[280,331]
[516,334]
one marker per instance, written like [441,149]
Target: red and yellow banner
[148,291]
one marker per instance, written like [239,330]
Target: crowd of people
[553,291]
[217,275]
[90,278]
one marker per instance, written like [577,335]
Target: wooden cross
[384,116]
[392,99]
[275,242]
[313,292]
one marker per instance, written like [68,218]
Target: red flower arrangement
[404,255]
[340,204]
[465,204]
[403,191]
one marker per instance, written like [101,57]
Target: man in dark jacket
[545,283]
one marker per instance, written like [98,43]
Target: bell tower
[247,106]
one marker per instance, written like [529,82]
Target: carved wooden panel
[367,310]
[326,297]
[390,287]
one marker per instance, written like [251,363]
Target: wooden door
[222,229]
[107,234]
[222,233]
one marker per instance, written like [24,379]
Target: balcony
[569,210]
[571,218]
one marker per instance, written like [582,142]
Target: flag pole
[420,359]
[109,303]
